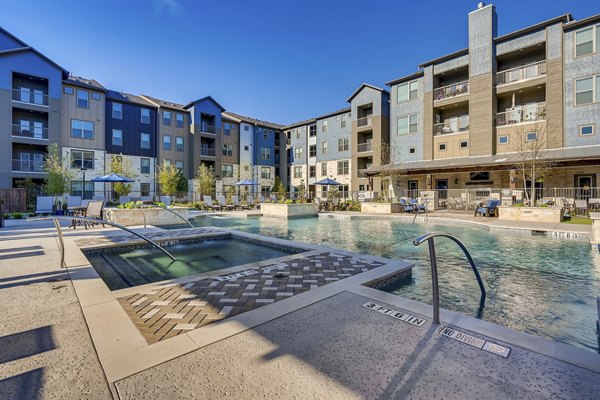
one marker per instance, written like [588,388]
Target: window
[265,172]
[361,187]
[412,150]
[531,136]
[167,118]
[343,120]
[342,167]
[179,120]
[117,110]
[178,143]
[145,140]
[584,91]
[117,137]
[227,150]
[179,165]
[323,169]
[324,148]
[68,90]
[463,144]
[167,162]
[312,150]
[83,98]
[246,128]
[144,189]
[297,133]
[298,153]
[407,91]
[584,41]
[227,170]
[585,130]
[407,124]
[77,186]
[144,165]
[265,154]
[166,142]
[96,96]
[343,144]
[227,129]
[324,127]
[479,176]
[312,131]
[312,171]
[442,146]
[82,159]
[145,115]
[297,172]
[503,139]
[265,135]
[246,148]
[82,129]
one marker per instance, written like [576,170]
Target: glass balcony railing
[363,147]
[521,114]
[30,96]
[207,152]
[206,128]
[30,131]
[452,90]
[28,165]
[452,125]
[364,121]
[524,72]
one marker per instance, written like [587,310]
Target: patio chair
[223,203]
[322,204]
[208,204]
[489,210]
[44,205]
[124,199]
[94,210]
[237,205]
[74,201]
[581,207]
[335,203]
[251,202]
[416,206]
[407,208]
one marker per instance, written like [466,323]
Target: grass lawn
[579,220]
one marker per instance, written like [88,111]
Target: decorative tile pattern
[170,310]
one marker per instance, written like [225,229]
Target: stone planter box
[380,208]
[534,214]
[289,210]
[153,216]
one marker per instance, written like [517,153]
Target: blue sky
[277,60]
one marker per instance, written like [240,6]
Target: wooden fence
[14,199]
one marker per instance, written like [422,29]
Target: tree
[530,143]
[182,182]
[121,166]
[168,177]
[59,172]
[390,171]
[279,188]
[205,180]
[230,192]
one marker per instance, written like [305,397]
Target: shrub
[17,215]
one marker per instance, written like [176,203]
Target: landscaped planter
[380,208]
[289,210]
[532,214]
[153,216]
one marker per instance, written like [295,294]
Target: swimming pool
[536,284]
[120,268]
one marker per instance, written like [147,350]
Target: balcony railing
[206,128]
[453,90]
[524,72]
[364,121]
[28,165]
[363,147]
[361,173]
[31,96]
[527,113]
[207,152]
[453,125]
[34,132]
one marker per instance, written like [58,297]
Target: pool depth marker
[402,316]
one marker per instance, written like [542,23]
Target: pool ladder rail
[429,238]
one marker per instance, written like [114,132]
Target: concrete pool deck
[322,343]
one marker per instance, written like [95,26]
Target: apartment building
[458,121]
[297,150]
[205,128]
[333,151]
[230,150]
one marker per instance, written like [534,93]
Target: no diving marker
[411,319]
[475,342]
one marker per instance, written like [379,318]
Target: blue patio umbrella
[112,178]
[246,182]
[327,182]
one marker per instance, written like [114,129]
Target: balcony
[522,73]
[30,131]
[30,96]
[362,147]
[206,128]
[452,90]
[361,173]
[522,114]
[207,152]
[26,164]
[452,125]
[364,121]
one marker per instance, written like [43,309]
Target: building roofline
[582,22]
[70,81]
[13,37]
[123,97]
[254,121]
[300,123]
[163,103]
[191,103]
[447,57]
[333,114]
[65,73]
[565,18]
[361,87]
[406,78]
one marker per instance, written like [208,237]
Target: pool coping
[123,351]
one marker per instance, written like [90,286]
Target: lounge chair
[94,210]
[417,207]
[581,207]
[74,201]
[208,204]
[251,202]
[407,208]
[237,205]
[44,205]
[322,204]
[335,203]
[489,210]
[223,203]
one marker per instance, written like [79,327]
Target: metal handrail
[434,274]
[417,211]
[187,221]
[61,242]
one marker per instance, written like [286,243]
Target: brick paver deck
[173,309]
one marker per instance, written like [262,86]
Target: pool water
[146,265]
[536,284]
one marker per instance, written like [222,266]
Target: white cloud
[166,6]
